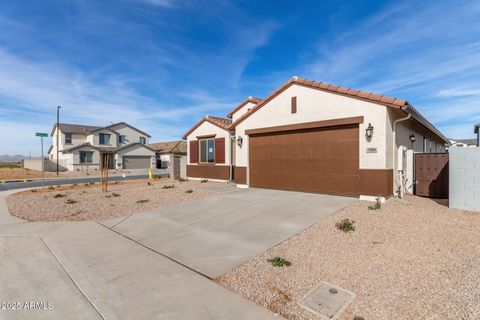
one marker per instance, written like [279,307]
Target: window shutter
[193,151]
[220,150]
[294,104]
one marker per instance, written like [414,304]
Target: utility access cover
[327,300]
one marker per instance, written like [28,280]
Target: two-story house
[83,147]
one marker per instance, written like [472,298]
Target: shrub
[189,191]
[33,190]
[346,225]
[203,180]
[149,183]
[51,188]
[279,262]
[377,205]
[86,184]
[114,194]
[59,195]
[91,183]
[142,200]
[168,186]
[70,201]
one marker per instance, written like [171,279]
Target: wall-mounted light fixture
[412,138]
[369,132]
[239,141]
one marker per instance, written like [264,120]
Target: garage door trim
[307,125]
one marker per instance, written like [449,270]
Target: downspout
[232,145]
[394,155]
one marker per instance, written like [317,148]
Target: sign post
[42,135]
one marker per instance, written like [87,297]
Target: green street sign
[41,134]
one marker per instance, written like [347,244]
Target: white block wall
[464,167]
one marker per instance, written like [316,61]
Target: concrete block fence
[464,166]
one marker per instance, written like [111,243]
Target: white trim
[242,186]
[198,179]
[371,198]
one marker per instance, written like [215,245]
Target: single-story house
[314,137]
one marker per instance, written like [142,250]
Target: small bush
[203,180]
[113,195]
[59,195]
[33,190]
[189,191]
[58,186]
[346,225]
[51,188]
[70,201]
[74,185]
[86,184]
[149,183]
[91,183]
[168,186]
[279,262]
[142,200]
[377,205]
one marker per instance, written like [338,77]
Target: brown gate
[431,174]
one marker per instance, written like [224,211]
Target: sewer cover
[327,300]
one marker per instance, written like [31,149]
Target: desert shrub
[203,180]
[51,188]
[142,200]
[168,186]
[189,191]
[346,225]
[377,205]
[91,183]
[60,195]
[33,190]
[114,195]
[149,183]
[279,262]
[70,201]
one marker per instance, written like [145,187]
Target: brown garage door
[323,160]
[136,162]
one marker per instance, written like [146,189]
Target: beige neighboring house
[83,147]
[171,158]
[314,137]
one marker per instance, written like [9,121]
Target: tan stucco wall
[316,105]
[240,112]
[206,128]
[131,135]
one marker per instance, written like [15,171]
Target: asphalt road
[62,181]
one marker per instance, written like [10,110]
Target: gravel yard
[404,261]
[88,202]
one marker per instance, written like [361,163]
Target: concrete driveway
[215,234]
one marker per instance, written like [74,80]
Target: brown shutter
[220,150]
[193,151]
[294,104]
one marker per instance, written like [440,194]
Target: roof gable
[242,104]
[223,123]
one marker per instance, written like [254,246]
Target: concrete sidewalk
[87,271]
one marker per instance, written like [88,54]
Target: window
[207,151]
[68,138]
[86,156]
[121,139]
[104,138]
[143,140]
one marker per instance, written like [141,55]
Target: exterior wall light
[369,132]
[412,138]
[239,141]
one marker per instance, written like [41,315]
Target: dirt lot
[415,261]
[88,202]
[20,173]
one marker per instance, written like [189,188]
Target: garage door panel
[136,162]
[321,160]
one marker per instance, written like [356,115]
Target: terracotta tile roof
[244,102]
[352,93]
[177,146]
[223,123]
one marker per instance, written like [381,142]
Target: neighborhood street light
[58,129]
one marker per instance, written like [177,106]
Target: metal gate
[431,174]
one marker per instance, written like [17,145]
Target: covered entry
[322,159]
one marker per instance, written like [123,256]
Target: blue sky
[162,64]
